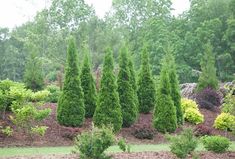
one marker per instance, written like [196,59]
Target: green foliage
[71,110]
[123,145]
[146,88]
[208,76]
[229,103]
[54,93]
[165,119]
[40,95]
[175,88]
[8,131]
[108,110]
[193,116]
[91,145]
[188,103]
[224,121]
[183,144]
[126,91]
[88,86]
[217,144]
[33,76]
[39,130]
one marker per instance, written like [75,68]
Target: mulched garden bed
[57,135]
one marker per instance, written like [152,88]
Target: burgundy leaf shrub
[202,130]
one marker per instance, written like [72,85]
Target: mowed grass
[29,151]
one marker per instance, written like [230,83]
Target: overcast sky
[15,12]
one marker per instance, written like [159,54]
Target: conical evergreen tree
[164,118]
[133,82]
[208,76]
[33,76]
[88,86]
[175,88]
[71,111]
[146,87]
[108,110]
[125,90]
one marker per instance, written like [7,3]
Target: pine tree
[146,87]
[208,76]
[33,76]
[88,86]
[125,90]
[71,111]
[175,88]
[108,110]
[164,118]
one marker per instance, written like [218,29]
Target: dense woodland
[43,41]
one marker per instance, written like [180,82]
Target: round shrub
[202,130]
[208,99]
[144,132]
[54,93]
[188,103]
[224,121]
[217,144]
[193,116]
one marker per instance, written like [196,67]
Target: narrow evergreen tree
[108,110]
[164,118]
[208,76]
[125,90]
[88,86]
[71,111]
[133,82]
[175,88]
[33,76]
[146,87]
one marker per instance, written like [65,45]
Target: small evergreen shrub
[202,130]
[193,116]
[217,144]
[183,144]
[224,121]
[188,103]
[40,95]
[123,146]
[54,93]
[208,98]
[229,103]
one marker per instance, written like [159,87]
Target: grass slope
[16,151]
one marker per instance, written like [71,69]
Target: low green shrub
[40,95]
[193,116]
[39,130]
[217,144]
[54,93]
[8,131]
[224,121]
[183,144]
[229,103]
[123,146]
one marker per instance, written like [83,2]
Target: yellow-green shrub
[40,95]
[193,116]
[188,103]
[224,121]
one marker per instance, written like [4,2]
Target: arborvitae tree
[208,76]
[164,118]
[33,76]
[146,87]
[71,110]
[108,110]
[125,90]
[133,82]
[88,86]
[175,88]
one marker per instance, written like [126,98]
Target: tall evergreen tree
[33,76]
[208,76]
[146,87]
[175,88]
[164,118]
[71,111]
[108,110]
[125,90]
[88,86]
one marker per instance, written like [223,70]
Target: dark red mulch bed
[57,135]
[138,155]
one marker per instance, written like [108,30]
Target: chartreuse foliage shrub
[229,102]
[224,121]
[92,144]
[54,93]
[217,144]
[183,144]
[165,119]
[208,76]
[71,110]
[125,90]
[8,131]
[88,86]
[146,88]
[108,110]
[191,111]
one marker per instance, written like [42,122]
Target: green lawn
[16,151]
